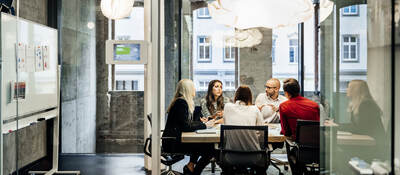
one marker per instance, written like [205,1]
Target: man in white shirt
[268,102]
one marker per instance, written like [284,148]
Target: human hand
[260,107]
[220,113]
[274,108]
[204,119]
[210,123]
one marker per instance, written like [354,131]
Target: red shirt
[296,108]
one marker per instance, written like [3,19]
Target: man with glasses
[268,102]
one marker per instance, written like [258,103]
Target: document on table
[344,133]
[207,131]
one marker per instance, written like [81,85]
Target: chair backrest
[307,133]
[244,146]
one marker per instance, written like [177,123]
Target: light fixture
[245,38]
[116,9]
[244,14]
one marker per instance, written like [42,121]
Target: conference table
[274,136]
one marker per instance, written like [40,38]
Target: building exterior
[213,58]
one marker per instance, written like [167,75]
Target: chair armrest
[168,138]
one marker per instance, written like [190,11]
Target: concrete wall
[78,76]
[255,65]
[32,139]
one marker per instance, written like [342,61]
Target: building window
[127,85]
[204,44]
[203,13]
[350,48]
[203,85]
[229,85]
[350,10]
[273,50]
[229,52]
[293,48]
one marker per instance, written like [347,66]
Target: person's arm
[182,111]
[259,119]
[258,102]
[204,109]
[283,121]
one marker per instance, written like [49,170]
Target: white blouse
[241,114]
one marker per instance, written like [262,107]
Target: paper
[38,59]
[45,57]
[21,57]
[30,58]
[207,131]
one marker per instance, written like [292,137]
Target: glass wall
[356,73]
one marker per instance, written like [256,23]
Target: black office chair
[168,159]
[237,160]
[307,145]
[5,6]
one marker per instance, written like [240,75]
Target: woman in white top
[242,112]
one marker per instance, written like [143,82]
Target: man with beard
[268,102]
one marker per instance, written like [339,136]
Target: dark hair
[291,86]
[210,98]
[243,93]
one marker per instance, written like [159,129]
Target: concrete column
[255,64]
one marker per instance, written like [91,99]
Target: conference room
[200,87]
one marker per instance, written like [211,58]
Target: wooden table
[193,137]
[356,140]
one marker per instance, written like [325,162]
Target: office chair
[168,159]
[243,160]
[5,6]
[306,145]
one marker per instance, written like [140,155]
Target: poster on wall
[21,57]
[38,59]
[18,91]
[30,58]
[45,57]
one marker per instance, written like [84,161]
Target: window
[203,85]
[203,13]
[229,52]
[204,48]
[229,85]
[126,85]
[273,50]
[293,47]
[350,10]
[350,48]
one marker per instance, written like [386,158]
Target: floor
[125,164]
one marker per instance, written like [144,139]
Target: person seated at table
[297,107]
[269,102]
[180,119]
[366,119]
[243,112]
[212,105]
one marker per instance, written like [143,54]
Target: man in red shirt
[297,107]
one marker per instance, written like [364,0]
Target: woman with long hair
[180,119]
[212,106]
[365,118]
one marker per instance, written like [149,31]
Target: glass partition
[356,72]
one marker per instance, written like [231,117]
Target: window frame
[273,49]
[296,50]
[203,16]
[357,13]
[200,60]
[233,57]
[343,44]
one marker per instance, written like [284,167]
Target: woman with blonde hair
[365,116]
[180,119]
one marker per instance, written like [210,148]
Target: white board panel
[40,84]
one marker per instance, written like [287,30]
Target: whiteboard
[40,85]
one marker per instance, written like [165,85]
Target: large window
[293,50]
[273,49]
[229,85]
[350,10]
[203,85]
[350,48]
[204,44]
[129,77]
